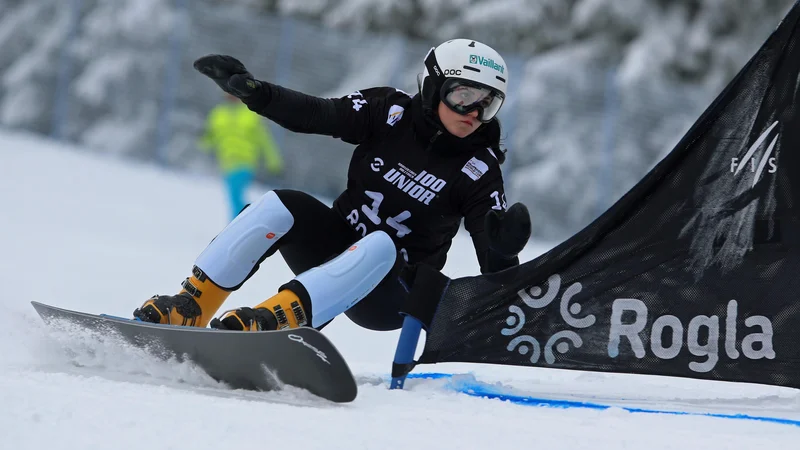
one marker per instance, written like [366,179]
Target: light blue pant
[237,183]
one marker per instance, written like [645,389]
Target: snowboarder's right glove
[508,231]
[229,74]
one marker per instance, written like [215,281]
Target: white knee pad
[340,283]
[231,256]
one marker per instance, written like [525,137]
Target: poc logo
[423,187]
[456,72]
[738,166]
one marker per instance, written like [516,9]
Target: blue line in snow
[478,389]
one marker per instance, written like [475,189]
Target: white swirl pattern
[533,298]
[532,344]
[516,322]
[567,312]
[530,298]
[562,347]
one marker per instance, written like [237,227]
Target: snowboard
[301,357]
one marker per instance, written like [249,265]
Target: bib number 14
[371,213]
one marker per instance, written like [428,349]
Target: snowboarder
[422,163]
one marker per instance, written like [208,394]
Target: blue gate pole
[172,71]
[610,119]
[406,347]
[61,101]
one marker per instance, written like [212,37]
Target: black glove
[229,74]
[508,231]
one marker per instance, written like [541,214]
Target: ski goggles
[464,96]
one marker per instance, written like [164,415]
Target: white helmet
[466,75]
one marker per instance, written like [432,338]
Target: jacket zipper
[433,138]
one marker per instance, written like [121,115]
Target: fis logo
[488,62]
[422,187]
[395,114]
[737,166]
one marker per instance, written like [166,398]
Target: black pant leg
[320,234]
[317,235]
[380,309]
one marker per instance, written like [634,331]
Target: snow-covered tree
[601,89]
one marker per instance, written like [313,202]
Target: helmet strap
[430,95]
[434,71]
[431,83]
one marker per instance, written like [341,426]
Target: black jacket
[407,176]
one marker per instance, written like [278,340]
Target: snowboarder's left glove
[229,74]
[508,231]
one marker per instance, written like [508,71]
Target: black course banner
[695,272]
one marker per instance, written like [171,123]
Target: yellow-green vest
[238,137]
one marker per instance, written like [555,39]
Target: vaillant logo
[488,62]
[758,166]
[630,329]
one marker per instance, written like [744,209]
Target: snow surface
[93,233]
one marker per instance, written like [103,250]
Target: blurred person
[239,139]
[421,165]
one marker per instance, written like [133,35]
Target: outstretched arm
[348,118]
[294,110]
